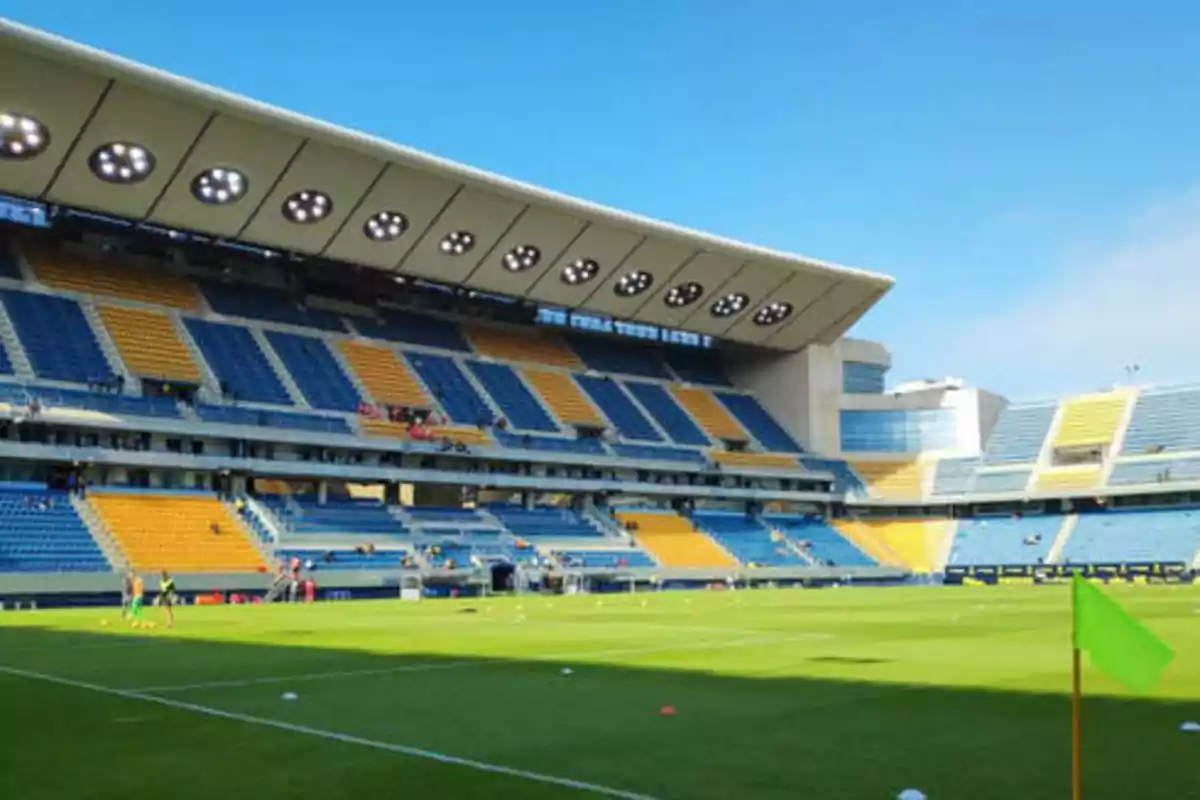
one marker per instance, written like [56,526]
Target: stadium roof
[87,129]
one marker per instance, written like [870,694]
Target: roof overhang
[87,98]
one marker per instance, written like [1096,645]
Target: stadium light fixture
[307,206]
[455,243]
[121,162]
[729,305]
[522,257]
[773,313]
[684,294]
[21,137]
[633,283]
[385,226]
[581,270]
[219,186]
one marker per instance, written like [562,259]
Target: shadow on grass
[730,737]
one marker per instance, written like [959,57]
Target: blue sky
[1026,170]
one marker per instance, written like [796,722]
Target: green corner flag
[1118,644]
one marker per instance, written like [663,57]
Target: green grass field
[847,693]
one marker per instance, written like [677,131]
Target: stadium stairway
[919,545]
[671,417]
[620,409]
[162,530]
[673,541]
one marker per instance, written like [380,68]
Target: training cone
[911,794]
[289,696]
[667,711]
[567,671]
[1190,727]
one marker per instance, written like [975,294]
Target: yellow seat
[674,541]
[743,459]
[1091,420]
[175,532]
[149,344]
[916,544]
[1075,478]
[709,412]
[513,344]
[892,480]
[563,396]
[72,273]
[386,377]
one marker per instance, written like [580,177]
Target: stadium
[619,507]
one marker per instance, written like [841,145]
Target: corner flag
[1118,644]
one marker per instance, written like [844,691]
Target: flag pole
[1076,700]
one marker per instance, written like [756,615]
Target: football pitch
[838,693]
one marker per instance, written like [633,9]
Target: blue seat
[407,328]
[670,416]
[845,479]
[747,539]
[1000,541]
[1134,537]
[543,521]
[1018,434]
[273,305]
[820,540]
[629,421]
[270,418]
[616,355]
[40,531]
[694,365]
[238,362]
[1164,421]
[516,402]
[316,372]
[443,515]
[357,519]
[56,337]
[1002,481]
[451,388]
[759,422]
[954,475]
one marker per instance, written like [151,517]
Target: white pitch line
[497,661]
[416,752]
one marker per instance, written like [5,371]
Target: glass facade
[898,431]
[860,378]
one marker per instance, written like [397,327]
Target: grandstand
[502,375]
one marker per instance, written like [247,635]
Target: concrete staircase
[99,531]
[16,351]
[1060,541]
[281,370]
[107,346]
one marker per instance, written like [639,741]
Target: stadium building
[233,335]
